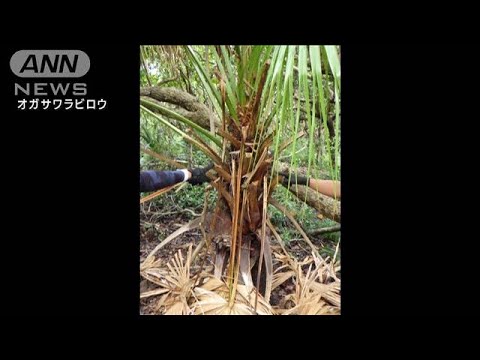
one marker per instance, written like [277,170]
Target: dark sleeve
[155,180]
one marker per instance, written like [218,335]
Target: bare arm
[329,188]
[326,187]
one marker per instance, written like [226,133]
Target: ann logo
[59,64]
[50,63]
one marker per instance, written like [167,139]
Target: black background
[70,239]
[70,244]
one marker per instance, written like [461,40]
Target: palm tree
[256,94]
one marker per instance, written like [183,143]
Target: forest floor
[155,227]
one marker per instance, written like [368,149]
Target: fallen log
[325,205]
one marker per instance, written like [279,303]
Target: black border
[70,219]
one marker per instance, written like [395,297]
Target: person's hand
[199,175]
[299,180]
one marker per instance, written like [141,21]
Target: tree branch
[166,81]
[191,108]
[325,230]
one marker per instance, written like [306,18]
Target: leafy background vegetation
[164,141]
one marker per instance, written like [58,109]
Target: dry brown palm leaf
[280,277]
[212,299]
[312,296]
[211,303]
[315,293]
[154,275]
[329,292]
[175,284]
[152,271]
[178,307]
[290,262]
[313,306]
[328,269]
[155,292]
[249,294]
[149,262]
